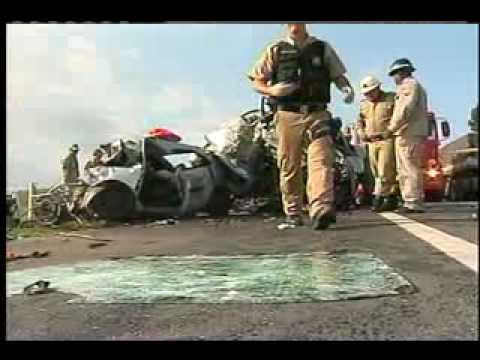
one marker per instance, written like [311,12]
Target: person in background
[70,169]
[376,111]
[409,127]
[95,161]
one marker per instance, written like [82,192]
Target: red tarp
[164,134]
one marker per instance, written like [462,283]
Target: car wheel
[47,212]
[220,203]
[111,201]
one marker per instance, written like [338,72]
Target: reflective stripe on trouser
[382,164]
[409,156]
[292,129]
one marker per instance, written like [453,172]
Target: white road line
[455,247]
[452,203]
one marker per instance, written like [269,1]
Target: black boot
[407,210]
[377,203]
[391,204]
[321,221]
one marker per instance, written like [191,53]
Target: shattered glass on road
[220,279]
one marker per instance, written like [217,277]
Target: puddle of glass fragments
[220,279]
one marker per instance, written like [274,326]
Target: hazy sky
[89,83]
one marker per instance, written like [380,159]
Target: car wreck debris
[83,236]
[146,183]
[286,226]
[234,173]
[95,245]
[11,256]
[38,287]
[163,222]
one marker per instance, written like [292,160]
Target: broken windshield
[220,279]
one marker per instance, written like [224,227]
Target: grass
[19,232]
[28,230]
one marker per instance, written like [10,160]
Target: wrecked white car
[145,179]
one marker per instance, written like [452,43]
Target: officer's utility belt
[301,108]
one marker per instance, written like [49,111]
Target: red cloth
[164,134]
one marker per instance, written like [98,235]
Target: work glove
[348,95]
[283,89]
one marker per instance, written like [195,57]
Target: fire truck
[434,179]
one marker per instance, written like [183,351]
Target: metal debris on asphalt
[202,214]
[212,221]
[95,245]
[239,213]
[83,236]
[38,287]
[11,256]
[162,222]
[286,226]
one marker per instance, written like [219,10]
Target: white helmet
[369,83]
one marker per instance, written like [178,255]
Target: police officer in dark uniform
[297,73]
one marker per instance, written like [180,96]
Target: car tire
[220,203]
[111,201]
[47,212]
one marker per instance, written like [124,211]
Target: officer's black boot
[377,203]
[391,204]
[322,220]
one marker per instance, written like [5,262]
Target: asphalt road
[445,305]
[453,218]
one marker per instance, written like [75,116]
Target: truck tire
[475,196]
[471,189]
[456,191]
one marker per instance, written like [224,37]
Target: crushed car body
[138,179]
[250,142]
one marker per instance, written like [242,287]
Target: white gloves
[283,89]
[348,95]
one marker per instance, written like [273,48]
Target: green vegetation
[28,230]
[473,122]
